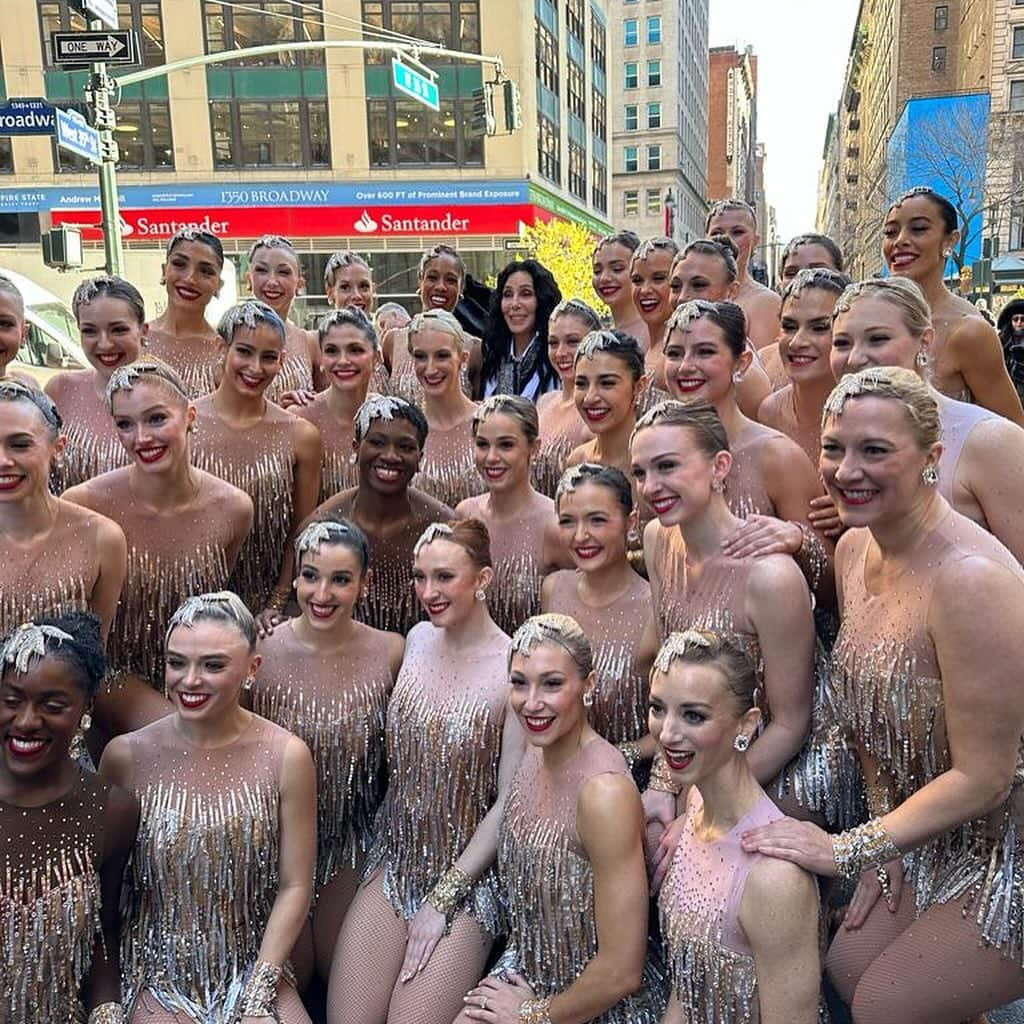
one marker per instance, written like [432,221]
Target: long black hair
[497,339]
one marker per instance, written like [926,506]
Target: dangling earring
[737,377]
[921,359]
[588,698]
[741,742]
[947,253]
[250,682]
[480,594]
[633,535]
[77,747]
[718,486]
[353,459]
[930,476]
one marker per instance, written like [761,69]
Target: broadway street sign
[27,116]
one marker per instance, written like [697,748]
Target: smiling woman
[184,529]
[388,445]
[65,833]
[266,451]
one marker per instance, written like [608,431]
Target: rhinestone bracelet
[630,750]
[535,1011]
[261,993]
[107,1013]
[661,778]
[863,847]
[811,557]
[450,893]
[278,599]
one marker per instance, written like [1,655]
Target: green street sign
[417,81]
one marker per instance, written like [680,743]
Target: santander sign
[434,224]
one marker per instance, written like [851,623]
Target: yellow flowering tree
[565,249]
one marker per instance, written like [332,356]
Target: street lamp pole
[101,86]
[98,94]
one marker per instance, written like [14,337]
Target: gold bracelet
[107,1013]
[261,992]
[661,778]
[863,847]
[630,750]
[535,1011]
[451,892]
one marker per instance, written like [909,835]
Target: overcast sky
[801,47]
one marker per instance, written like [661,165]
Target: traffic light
[513,106]
[481,121]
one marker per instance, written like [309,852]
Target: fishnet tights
[929,971]
[148,1011]
[365,986]
[314,949]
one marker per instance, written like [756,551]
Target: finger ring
[882,874]
[483,1003]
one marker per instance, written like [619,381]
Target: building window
[941,18]
[599,117]
[632,119]
[577,91]
[654,200]
[142,16]
[1018,42]
[598,43]
[632,74]
[263,23]
[549,145]
[599,188]
[938,58]
[654,115]
[1016,239]
[547,58]
[143,135]
[631,32]
[275,133]
[630,202]
[574,20]
[630,159]
[404,133]
[654,72]
[1017,95]
[577,170]
[453,24]
[654,29]
[654,158]
[143,131]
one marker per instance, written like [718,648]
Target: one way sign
[76,48]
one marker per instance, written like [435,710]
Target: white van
[51,344]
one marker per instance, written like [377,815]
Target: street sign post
[27,115]
[416,80]
[102,10]
[77,136]
[115,47]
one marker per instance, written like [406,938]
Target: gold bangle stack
[261,993]
[661,778]
[535,1011]
[451,892]
[107,1013]
[278,598]
[863,847]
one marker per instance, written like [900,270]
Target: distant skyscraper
[732,124]
[658,95]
